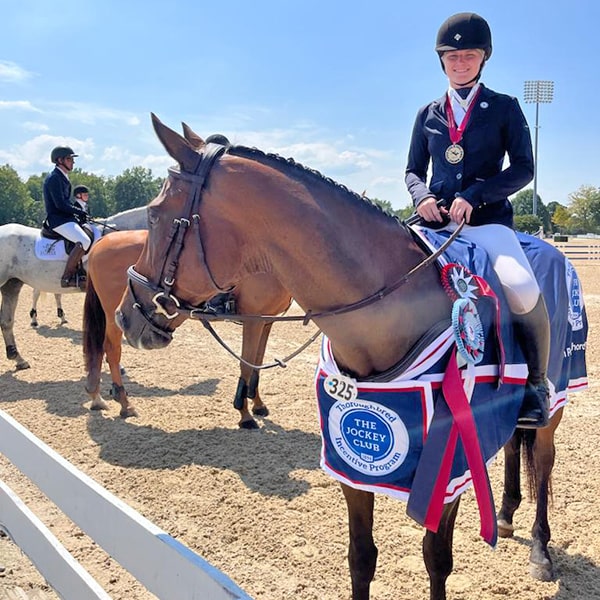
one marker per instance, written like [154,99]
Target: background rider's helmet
[80,189]
[61,152]
[464,31]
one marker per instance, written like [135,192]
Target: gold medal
[454,154]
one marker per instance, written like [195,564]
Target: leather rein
[206,313]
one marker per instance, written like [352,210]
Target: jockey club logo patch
[575,314]
[368,436]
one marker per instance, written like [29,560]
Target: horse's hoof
[251,424]
[505,529]
[34,323]
[21,366]
[261,411]
[542,572]
[99,405]
[128,412]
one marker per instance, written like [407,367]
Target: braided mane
[279,162]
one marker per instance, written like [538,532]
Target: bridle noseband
[179,229]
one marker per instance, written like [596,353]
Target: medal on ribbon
[455,152]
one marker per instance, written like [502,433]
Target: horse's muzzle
[139,331]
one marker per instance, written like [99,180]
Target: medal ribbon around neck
[455,132]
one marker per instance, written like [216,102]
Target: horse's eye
[152,217]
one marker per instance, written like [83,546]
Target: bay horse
[347,263]
[107,265]
[19,264]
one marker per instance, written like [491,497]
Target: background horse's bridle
[205,313]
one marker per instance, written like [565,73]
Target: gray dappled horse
[20,264]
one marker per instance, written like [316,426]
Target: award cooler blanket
[427,436]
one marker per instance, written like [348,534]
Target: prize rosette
[459,282]
[468,330]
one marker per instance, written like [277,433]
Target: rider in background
[81,195]
[465,135]
[63,216]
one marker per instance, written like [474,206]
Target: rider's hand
[428,210]
[460,210]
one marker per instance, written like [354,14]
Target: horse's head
[172,275]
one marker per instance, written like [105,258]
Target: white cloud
[12,72]
[91,114]
[18,105]
[27,158]
[31,126]
[125,159]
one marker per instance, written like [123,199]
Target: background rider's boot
[533,334]
[69,278]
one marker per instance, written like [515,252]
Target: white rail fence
[167,568]
[579,251]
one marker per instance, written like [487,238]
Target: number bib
[341,387]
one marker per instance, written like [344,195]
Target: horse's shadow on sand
[67,398]
[59,331]
[577,575]
[263,459]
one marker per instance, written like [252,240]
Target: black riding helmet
[80,189]
[61,152]
[464,31]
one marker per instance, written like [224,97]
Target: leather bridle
[162,292]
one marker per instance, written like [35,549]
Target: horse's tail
[528,441]
[94,325]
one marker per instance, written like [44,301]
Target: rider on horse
[66,218]
[476,189]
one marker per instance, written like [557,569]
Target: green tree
[35,186]
[101,201]
[15,201]
[527,223]
[561,219]
[585,210]
[401,213]
[135,187]
[523,205]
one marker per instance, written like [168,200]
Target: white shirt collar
[460,106]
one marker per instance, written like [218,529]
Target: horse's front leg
[540,562]
[362,553]
[254,341]
[259,408]
[437,551]
[511,496]
[113,349]
[10,297]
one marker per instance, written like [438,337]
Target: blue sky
[334,84]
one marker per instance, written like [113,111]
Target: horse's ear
[192,137]
[176,146]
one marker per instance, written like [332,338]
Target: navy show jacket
[497,127]
[57,199]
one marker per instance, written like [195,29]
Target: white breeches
[509,262]
[74,233]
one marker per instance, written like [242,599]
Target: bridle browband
[168,273]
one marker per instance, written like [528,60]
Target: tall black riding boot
[533,334]
[69,277]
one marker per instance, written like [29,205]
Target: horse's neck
[340,254]
[134,218]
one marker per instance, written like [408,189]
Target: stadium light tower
[538,92]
